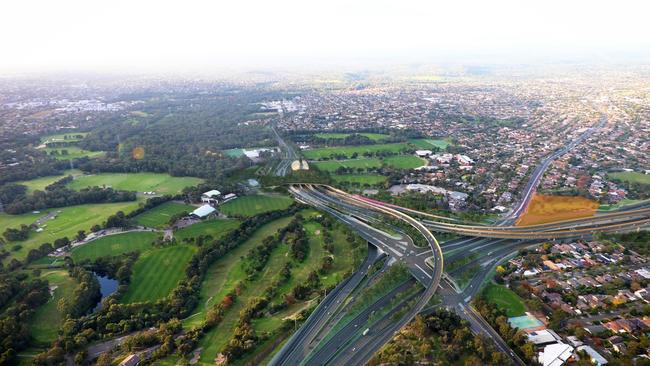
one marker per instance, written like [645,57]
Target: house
[543,337]
[130,360]
[555,354]
[617,343]
[203,211]
[211,197]
[423,153]
[596,358]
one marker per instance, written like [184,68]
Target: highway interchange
[321,342]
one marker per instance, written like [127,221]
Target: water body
[107,286]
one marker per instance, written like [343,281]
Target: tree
[81,235]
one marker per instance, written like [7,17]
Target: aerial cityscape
[324,184]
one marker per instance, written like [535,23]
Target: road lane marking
[420,268]
[424,253]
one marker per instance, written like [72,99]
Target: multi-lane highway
[288,155]
[341,347]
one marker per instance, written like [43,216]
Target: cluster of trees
[40,252]
[515,338]
[296,237]
[258,256]
[439,337]
[33,164]
[11,192]
[85,295]
[20,234]
[59,196]
[14,330]
[638,241]
[167,335]
[118,220]
[9,287]
[116,267]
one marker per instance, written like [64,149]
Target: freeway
[299,345]
[289,155]
[400,248]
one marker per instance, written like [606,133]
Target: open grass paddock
[326,152]
[116,244]
[404,161]
[139,182]
[67,222]
[334,135]
[361,179]
[505,299]
[632,177]
[157,272]
[426,144]
[254,205]
[158,217]
[332,165]
[42,182]
[215,228]
[47,319]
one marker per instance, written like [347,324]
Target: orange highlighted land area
[543,209]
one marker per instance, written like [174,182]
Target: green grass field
[73,152]
[42,182]
[158,217]
[332,165]
[333,135]
[115,245]
[140,182]
[632,177]
[404,161]
[362,179]
[157,272]
[505,299]
[68,221]
[621,203]
[234,153]
[215,228]
[253,205]
[430,143]
[47,319]
[326,152]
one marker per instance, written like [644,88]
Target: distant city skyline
[175,36]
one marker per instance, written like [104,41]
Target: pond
[107,286]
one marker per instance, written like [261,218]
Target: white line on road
[420,268]
[424,253]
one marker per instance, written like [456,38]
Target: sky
[161,35]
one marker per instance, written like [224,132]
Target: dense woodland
[182,137]
[439,337]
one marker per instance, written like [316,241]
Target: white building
[596,358]
[203,211]
[555,354]
[211,197]
[229,197]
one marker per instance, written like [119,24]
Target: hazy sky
[44,35]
